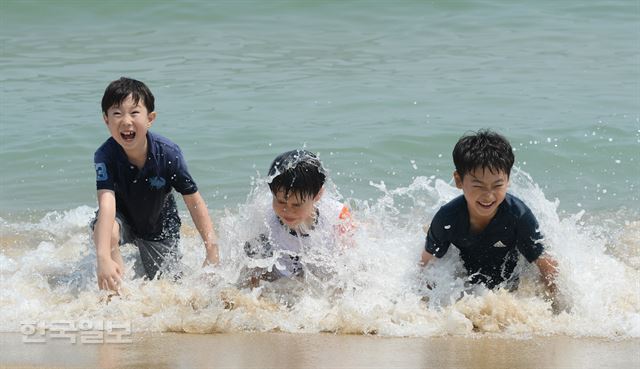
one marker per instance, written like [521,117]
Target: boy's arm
[200,215]
[433,247]
[425,258]
[548,267]
[530,245]
[108,270]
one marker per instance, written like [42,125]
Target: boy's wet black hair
[118,90]
[299,172]
[483,149]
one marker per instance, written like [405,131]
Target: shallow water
[374,287]
[382,92]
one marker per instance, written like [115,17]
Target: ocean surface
[381,90]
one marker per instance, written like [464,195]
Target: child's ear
[319,195]
[104,117]
[458,179]
[152,118]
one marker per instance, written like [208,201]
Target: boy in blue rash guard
[488,225]
[136,171]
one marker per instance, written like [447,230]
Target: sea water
[381,91]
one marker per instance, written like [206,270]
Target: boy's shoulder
[331,208]
[333,214]
[453,214]
[453,207]
[109,148]
[515,206]
[157,141]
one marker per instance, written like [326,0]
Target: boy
[488,225]
[135,173]
[301,219]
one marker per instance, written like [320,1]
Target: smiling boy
[136,171]
[488,225]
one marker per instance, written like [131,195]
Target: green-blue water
[373,86]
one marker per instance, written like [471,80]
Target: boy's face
[293,210]
[128,124]
[484,191]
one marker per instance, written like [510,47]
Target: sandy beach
[281,350]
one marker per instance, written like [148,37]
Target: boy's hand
[212,257]
[109,274]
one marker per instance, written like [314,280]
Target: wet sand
[282,350]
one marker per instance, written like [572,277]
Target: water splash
[47,271]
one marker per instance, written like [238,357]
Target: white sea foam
[47,271]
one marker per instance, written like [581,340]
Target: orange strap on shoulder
[346,225]
[345,213]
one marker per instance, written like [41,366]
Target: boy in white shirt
[301,221]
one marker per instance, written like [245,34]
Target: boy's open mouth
[487,205]
[128,136]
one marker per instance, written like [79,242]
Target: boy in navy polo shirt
[136,171]
[488,225]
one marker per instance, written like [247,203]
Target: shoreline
[286,350]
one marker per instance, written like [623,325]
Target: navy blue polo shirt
[490,256]
[144,196]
